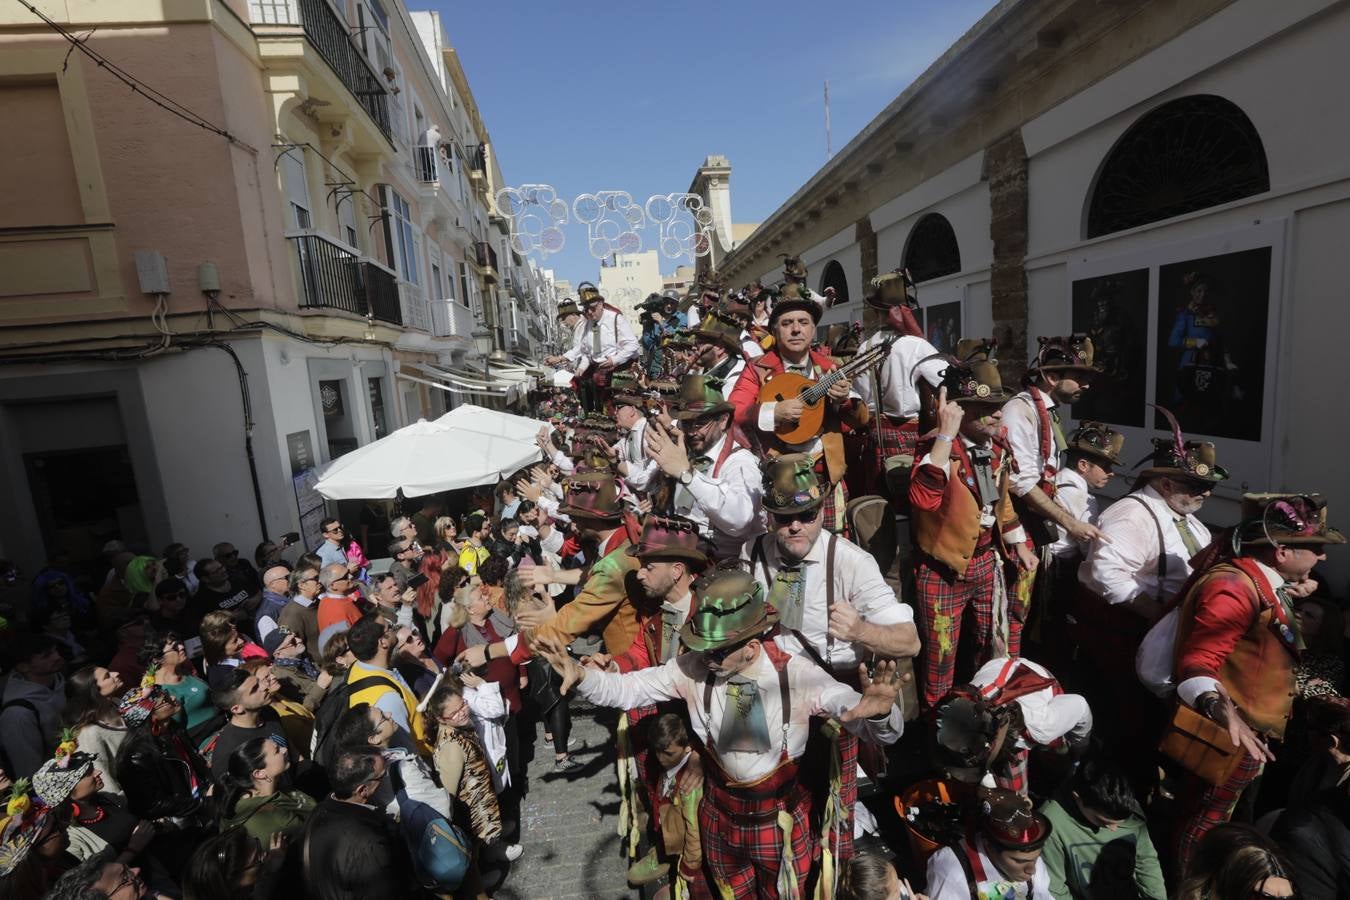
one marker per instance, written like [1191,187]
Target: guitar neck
[815,392]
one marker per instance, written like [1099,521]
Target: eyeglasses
[806,517]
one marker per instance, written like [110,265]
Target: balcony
[332,276]
[487,261]
[427,161]
[325,31]
[414,306]
[450,318]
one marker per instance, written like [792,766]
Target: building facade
[627,279]
[196,315]
[1169,176]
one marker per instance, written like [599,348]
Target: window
[346,213]
[406,237]
[931,251]
[297,188]
[436,281]
[375,388]
[1186,155]
[464,284]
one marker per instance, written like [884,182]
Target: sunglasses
[720,654]
[805,517]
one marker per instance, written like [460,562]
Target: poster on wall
[1212,324]
[942,325]
[1113,311]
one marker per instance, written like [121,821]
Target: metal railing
[487,257]
[427,163]
[328,34]
[450,318]
[333,277]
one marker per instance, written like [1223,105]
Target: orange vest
[950,533]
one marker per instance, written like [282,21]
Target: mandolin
[790,385]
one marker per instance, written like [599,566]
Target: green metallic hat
[700,395]
[729,608]
[791,484]
[627,389]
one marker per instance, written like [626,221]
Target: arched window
[931,251]
[1189,154]
[834,277]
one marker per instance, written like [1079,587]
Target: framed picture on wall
[1211,342]
[942,325]
[1113,311]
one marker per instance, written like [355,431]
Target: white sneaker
[513,852]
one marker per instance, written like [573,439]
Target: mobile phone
[193,646]
[292,538]
[417,580]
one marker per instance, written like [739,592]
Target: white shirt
[1128,566]
[750,347]
[857,581]
[1047,717]
[1072,494]
[563,462]
[728,508]
[947,878]
[1190,690]
[631,451]
[618,343]
[1023,425]
[907,359]
[813,693]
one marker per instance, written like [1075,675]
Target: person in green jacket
[1100,848]
[257,796]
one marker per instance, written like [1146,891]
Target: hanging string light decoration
[536,216]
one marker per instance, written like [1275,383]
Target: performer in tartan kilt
[750,705]
[912,358]
[835,608]
[964,525]
[603,343]
[1238,642]
[793,323]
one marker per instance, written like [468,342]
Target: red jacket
[1232,628]
[745,395]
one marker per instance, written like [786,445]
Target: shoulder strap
[829,570]
[757,557]
[1162,543]
[370,681]
[969,859]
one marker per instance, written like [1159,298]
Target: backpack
[335,702]
[871,523]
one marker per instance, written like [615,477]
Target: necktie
[1058,429]
[595,338]
[1187,536]
[788,595]
[703,463]
[744,728]
[981,460]
[671,618]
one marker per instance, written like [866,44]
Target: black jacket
[354,852]
[162,775]
[1316,839]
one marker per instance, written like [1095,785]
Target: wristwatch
[687,476]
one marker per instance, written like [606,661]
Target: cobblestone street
[568,822]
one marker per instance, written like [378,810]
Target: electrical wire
[137,86]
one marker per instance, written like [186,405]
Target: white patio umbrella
[427,457]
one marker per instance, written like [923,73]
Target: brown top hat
[568,308]
[791,484]
[700,396]
[1010,821]
[721,328]
[894,288]
[1194,460]
[1099,440]
[1290,519]
[975,382]
[843,340]
[1073,353]
[970,350]
[588,293]
[593,495]
[669,537]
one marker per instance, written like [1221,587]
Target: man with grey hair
[403,529]
[300,615]
[337,610]
[275,581]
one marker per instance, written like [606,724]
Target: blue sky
[591,96]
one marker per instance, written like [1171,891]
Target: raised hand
[879,692]
[556,655]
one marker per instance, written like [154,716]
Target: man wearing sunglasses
[835,608]
[751,705]
[1238,642]
[604,342]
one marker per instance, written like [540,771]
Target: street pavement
[568,821]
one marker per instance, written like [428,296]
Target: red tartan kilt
[734,841]
[896,438]
[832,508]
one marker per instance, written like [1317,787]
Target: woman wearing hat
[750,704]
[33,845]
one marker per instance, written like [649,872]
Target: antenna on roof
[829,151]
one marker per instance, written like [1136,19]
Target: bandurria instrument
[789,385]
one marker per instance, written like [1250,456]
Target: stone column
[1005,168]
[867,249]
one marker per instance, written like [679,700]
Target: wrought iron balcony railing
[427,163]
[328,34]
[333,277]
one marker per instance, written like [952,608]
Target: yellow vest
[369,695]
